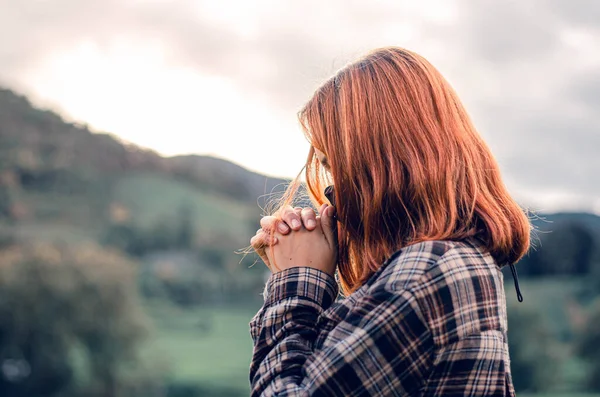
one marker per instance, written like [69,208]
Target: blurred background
[140,139]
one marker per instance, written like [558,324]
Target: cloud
[584,90]
[507,31]
[527,71]
[31,30]
[585,13]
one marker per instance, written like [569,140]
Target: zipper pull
[516,278]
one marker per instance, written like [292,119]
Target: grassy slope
[220,358]
[154,198]
[217,359]
[558,395]
[550,295]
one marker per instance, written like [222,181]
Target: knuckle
[287,209]
[281,227]
[266,222]
[308,212]
[290,216]
[257,241]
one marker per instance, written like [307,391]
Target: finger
[322,208]
[262,248]
[269,223]
[262,239]
[309,218]
[329,225]
[269,239]
[269,252]
[263,256]
[257,243]
[292,218]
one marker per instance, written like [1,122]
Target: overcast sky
[227,77]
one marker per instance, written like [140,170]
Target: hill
[549,222]
[61,179]
[181,219]
[226,177]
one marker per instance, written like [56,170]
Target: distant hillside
[61,179]
[32,138]
[35,139]
[230,178]
[549,222]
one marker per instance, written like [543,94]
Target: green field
[154,198]
[217,357]
[151,199]
[210,347]
[557,395]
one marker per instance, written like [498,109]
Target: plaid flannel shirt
[430,322]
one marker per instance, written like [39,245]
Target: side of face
[322,158]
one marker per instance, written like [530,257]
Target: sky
[227,77]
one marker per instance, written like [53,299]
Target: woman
[421,226]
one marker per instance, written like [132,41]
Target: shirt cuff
[303,282]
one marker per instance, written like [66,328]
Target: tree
[166,234]
[70,322]
[185,232]
[567,249]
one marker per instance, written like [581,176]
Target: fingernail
[282,228]
[311,223]
[295,223]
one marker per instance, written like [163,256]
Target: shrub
[70,322]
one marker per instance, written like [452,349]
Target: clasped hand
[298,238]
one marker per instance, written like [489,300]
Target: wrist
[304,282]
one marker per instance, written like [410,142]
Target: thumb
[329,225]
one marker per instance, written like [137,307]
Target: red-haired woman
[420,227]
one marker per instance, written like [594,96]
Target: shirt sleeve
[381,347]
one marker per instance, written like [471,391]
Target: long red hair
[407,163]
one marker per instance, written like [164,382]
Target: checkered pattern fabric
[430,322]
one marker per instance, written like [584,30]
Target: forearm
[382,337]
[285,328]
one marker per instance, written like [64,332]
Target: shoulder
[457,284]
[416,265]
